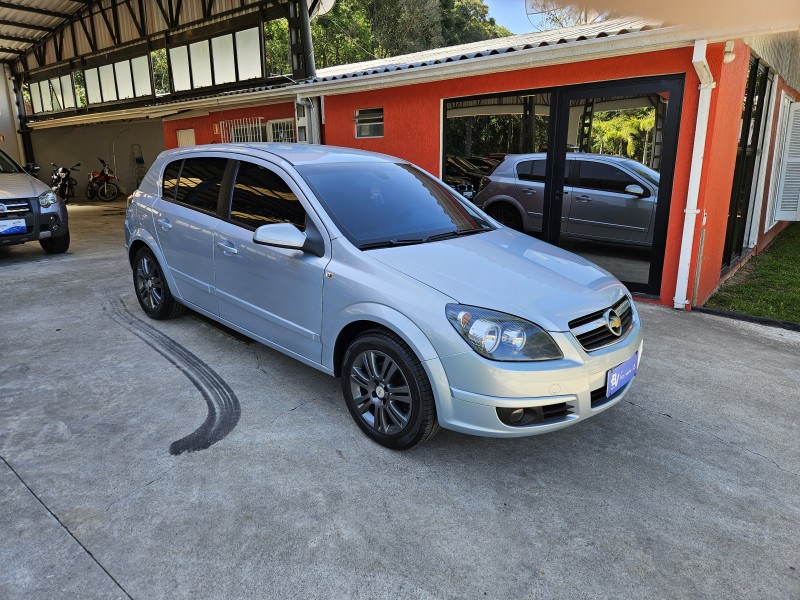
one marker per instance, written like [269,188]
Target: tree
[554,14]
[466,21]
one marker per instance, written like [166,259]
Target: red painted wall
[412,121]
[204,126]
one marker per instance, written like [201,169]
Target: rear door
[529,191]
[600,207]
[184,221]
[274,293]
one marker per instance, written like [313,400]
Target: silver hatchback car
[366,267]
[606,198]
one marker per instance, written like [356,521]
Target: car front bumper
[470,388]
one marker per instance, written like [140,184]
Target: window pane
[179,62]
[124,82]
[201,64]
[80,88]
[249,51]
[58,99]
[261,197]
[93,86]
[170,181]
[107,83]
[36,98]
[224,69]
[67,92]
[141,76]
[281,131]
[599,176]
[200,182]
[47,98]
[158,58]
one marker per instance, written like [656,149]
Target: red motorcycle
[103,183]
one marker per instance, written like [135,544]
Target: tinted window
[200,182]
[646,172]
[531,170]
[600,176]
[170,181]
[381,202]
[261,197]
[7,165]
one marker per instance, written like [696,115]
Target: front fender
[401,325]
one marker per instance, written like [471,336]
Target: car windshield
[386,204]
[649,174]
[7,165]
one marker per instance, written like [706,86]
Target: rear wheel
[57,245]
[387,391]
[151,288]
[107,192]
[506,214]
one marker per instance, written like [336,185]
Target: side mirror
[280,235]
[32,168]
[636,190]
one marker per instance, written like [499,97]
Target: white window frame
[185,137]
[368,117]
[781,135]
[287,124]
[760,167]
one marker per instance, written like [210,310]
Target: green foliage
[466,21]
[276,46]
[158,60]
[627,132]
[491,134]
[342,35]
[767,285]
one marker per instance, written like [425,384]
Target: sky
[511,15]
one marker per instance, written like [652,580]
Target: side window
[261,197]
[531,170]
[200,182]
[170,181]
[524,170]
[604,177]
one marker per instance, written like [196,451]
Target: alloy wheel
[380,392]
[149,284]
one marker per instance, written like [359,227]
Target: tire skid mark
[223,405]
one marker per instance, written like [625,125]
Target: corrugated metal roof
[30,25]
[492,47]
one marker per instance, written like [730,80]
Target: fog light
[516,415]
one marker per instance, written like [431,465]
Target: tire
[91,190]
[57,245]
[393,406]
[506,214]
[151,288]
[107,192]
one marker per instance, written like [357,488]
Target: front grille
[15,209]
[592,330]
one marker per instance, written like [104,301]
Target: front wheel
[152,290]
[57,245]
[387,391]
[506,214]
[107,192]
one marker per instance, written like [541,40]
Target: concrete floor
[688,488]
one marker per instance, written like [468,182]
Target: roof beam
[25,25]
[16,38]
[11,51]
[33,9]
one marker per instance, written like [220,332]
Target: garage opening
[588,168]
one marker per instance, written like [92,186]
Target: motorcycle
[103,183]
[62,182]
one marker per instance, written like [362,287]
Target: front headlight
[47,199]
[499,336]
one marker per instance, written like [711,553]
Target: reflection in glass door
[616,146]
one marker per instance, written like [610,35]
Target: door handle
[165,224]
[227,248]
[583,198]
[529,191]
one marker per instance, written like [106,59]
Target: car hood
[20,185]
[510,272]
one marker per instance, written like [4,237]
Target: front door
[184,219]
[274,293]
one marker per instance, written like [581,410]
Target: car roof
[295,154]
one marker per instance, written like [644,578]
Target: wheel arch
[141,238]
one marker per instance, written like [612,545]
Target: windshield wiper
[390,243]
[453,234]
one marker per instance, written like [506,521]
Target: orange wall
[724,125]
[412,121]
[204,126]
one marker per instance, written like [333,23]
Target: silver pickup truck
[29,210]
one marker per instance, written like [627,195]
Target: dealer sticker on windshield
[12,226]
[621,374]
